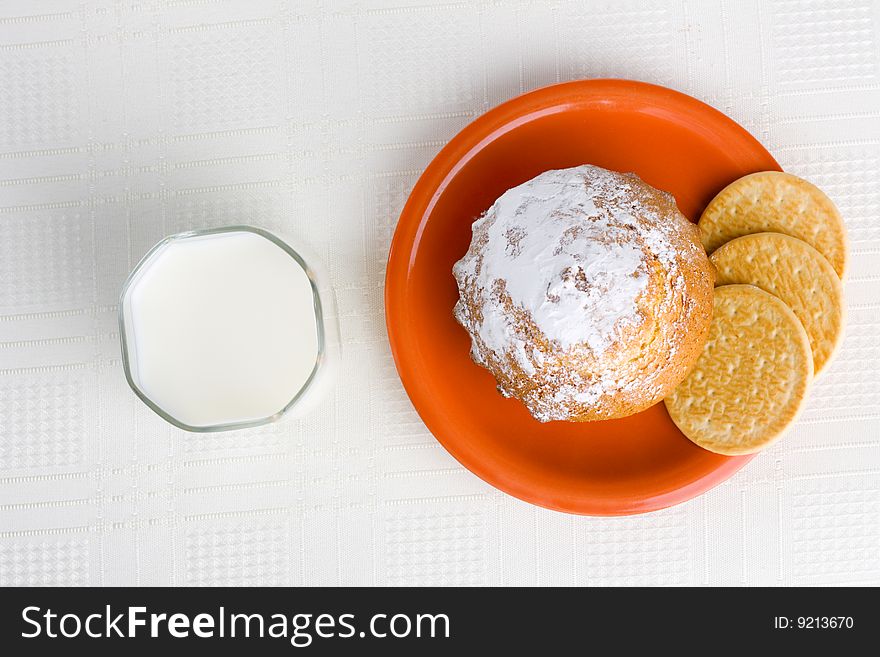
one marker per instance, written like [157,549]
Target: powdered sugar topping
[569,255]
[556,264]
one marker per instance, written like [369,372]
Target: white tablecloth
[123,121]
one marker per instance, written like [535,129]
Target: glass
[316,384]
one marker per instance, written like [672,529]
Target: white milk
[221,328]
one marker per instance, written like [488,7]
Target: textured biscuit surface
[773,201]
[752,377]
[795,272]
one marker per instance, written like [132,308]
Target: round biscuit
[778,202]
[752,378]
[795,272]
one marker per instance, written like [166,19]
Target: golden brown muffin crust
[586,293]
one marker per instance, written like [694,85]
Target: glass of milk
[226,328]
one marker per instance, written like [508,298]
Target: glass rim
[319,327]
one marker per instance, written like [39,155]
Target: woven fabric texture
[122,121]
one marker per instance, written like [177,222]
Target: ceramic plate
[672,141]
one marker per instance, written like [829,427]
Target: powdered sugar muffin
[586,293]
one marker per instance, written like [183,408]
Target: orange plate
[673,142]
